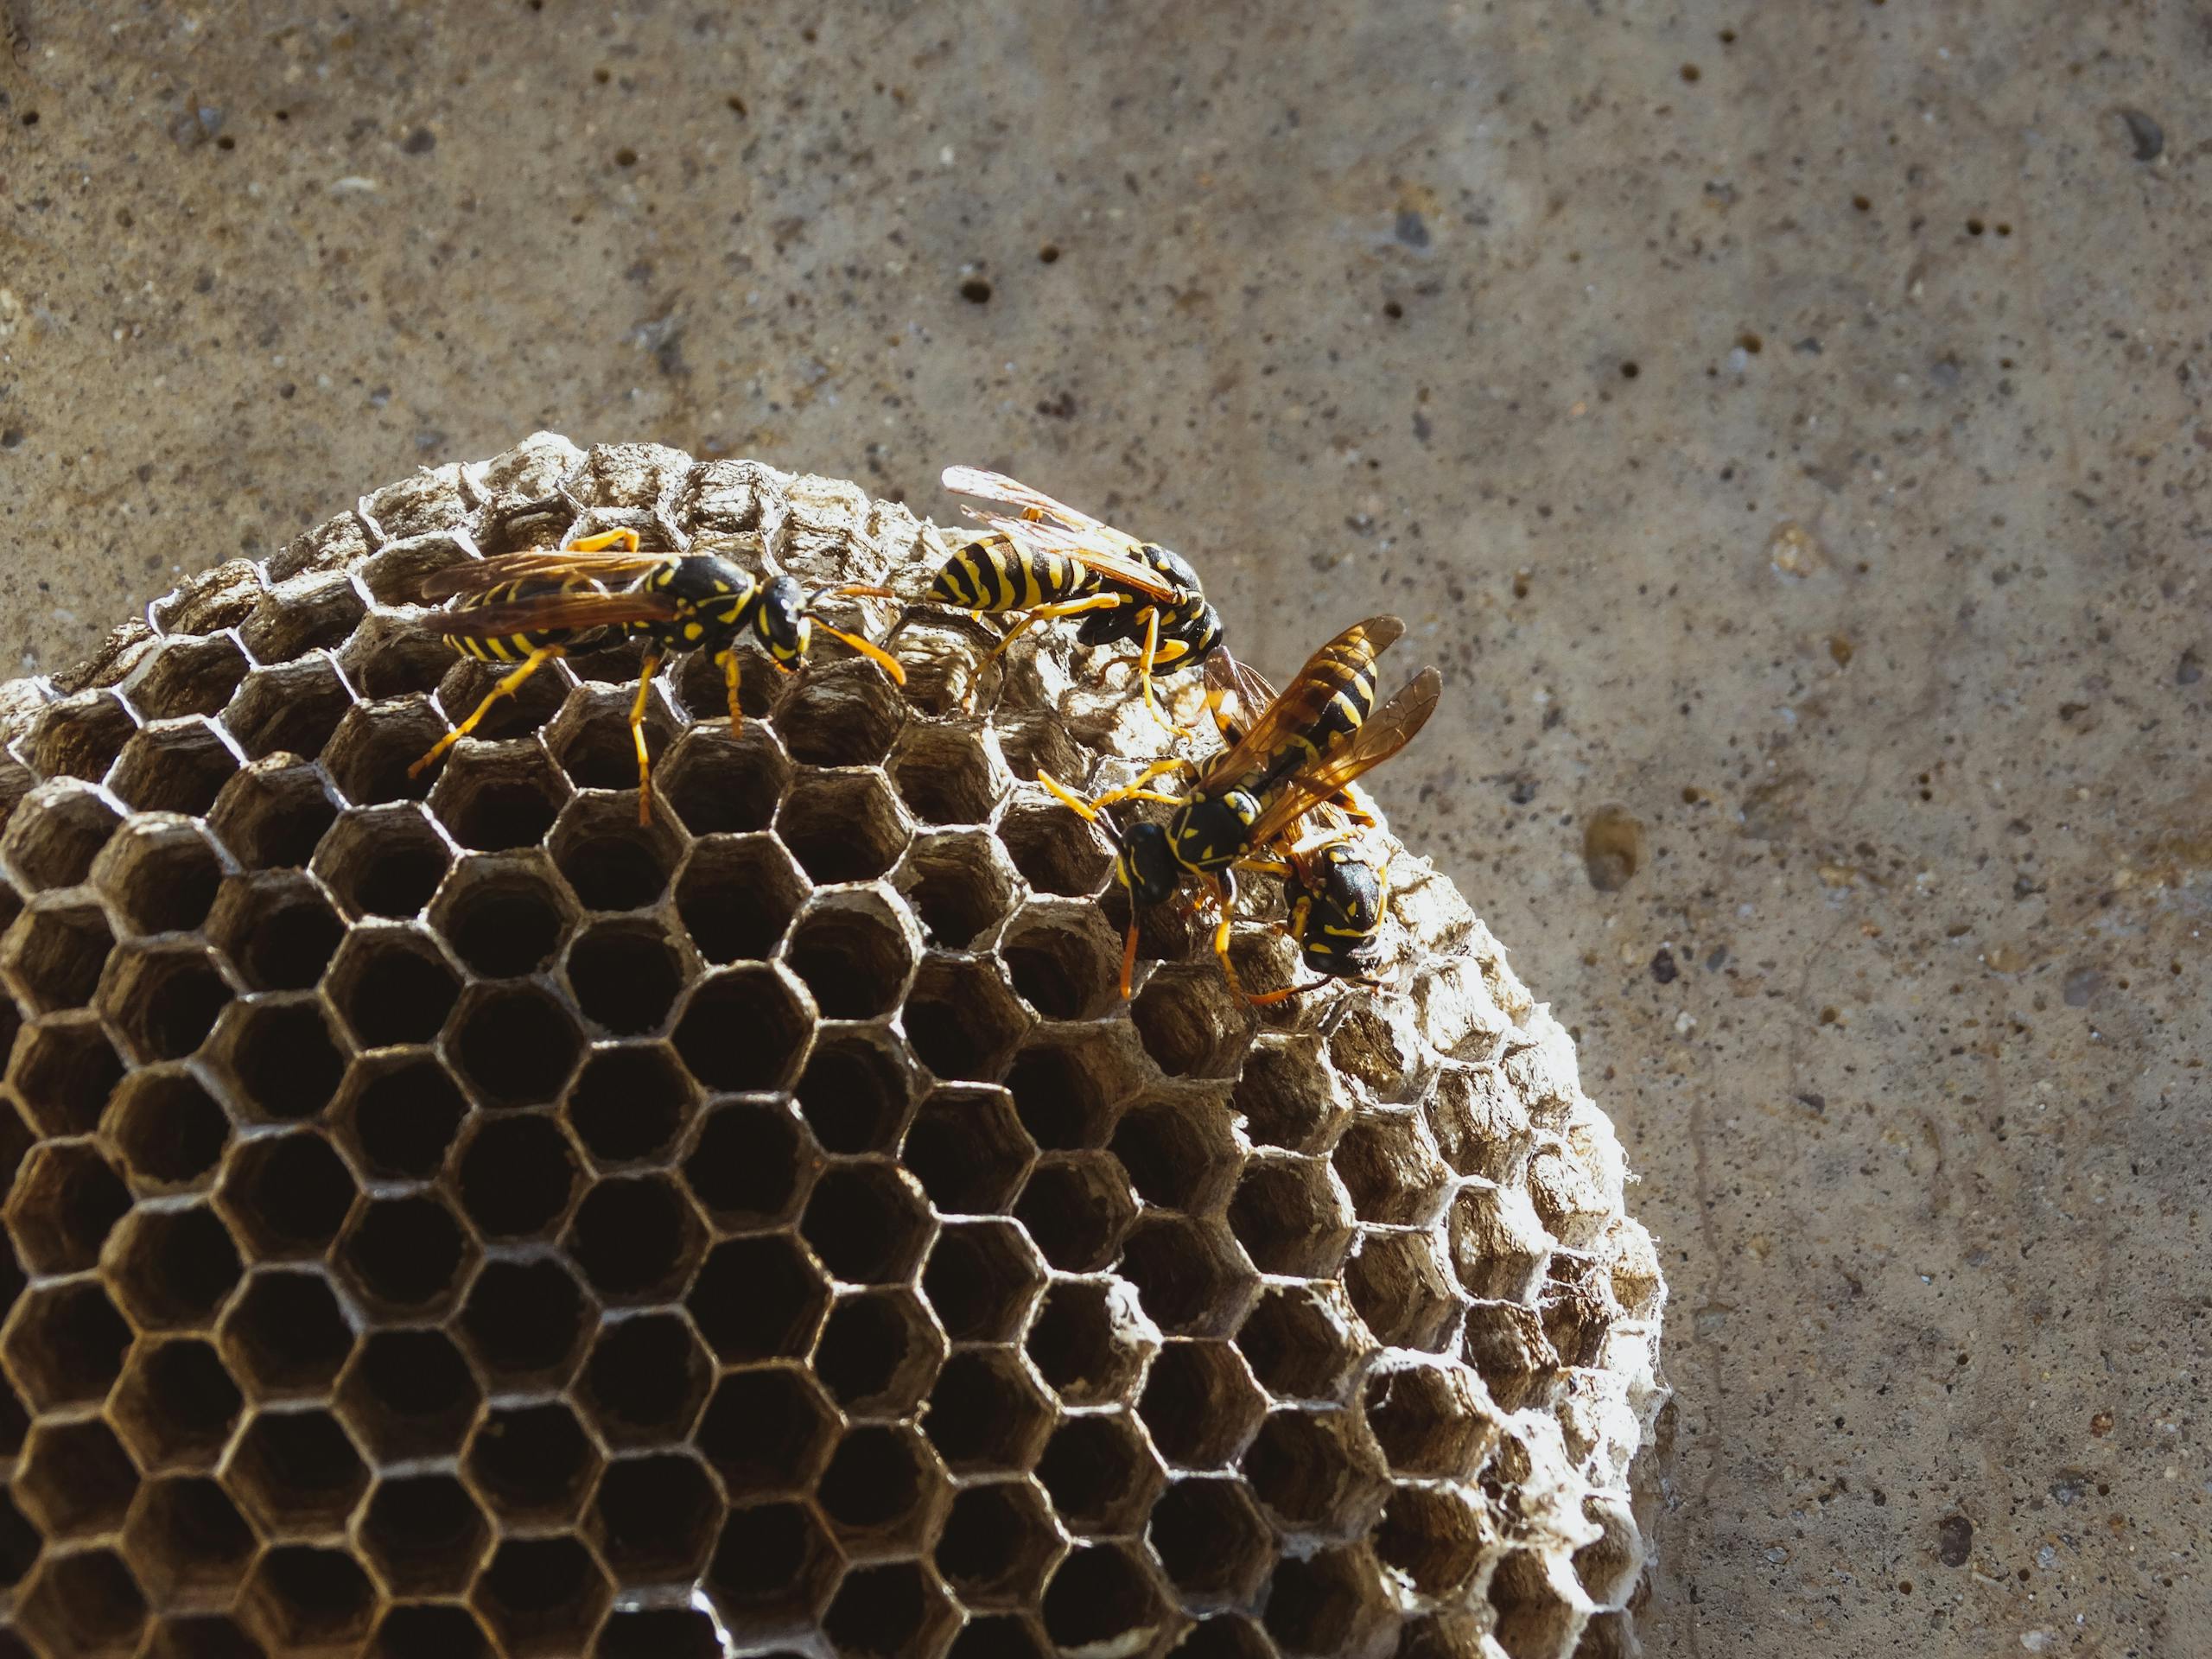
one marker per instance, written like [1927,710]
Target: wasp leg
[728,661]
[1224,896]
[505,688]
[1050,613]
[625,539]
[638,737]
[1129,955]
[1146,660]
[1132,791]
[1268,999]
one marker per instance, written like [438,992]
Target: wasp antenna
[876,654]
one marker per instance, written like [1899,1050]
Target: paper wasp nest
[447,1219]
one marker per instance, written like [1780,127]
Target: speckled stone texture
[1827,700]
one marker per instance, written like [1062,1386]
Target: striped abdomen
[991,573]
[513,647]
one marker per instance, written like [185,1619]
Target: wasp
[1306,748]
[1336,893]
[1046,560]
[529,608]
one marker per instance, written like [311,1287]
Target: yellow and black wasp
[527,608]
[1047,559]
[1307,746]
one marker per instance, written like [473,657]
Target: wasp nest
[448,1217]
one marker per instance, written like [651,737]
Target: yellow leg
[625,539]
[1068,798]
[638,737]
[1130,791]
[505,688]
[1049,613]
[729,678]
[1224,895]
[1150,656]
[1129,955]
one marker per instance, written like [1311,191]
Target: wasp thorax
[1208,832]
[1146,865]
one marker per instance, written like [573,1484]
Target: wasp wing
[472,576]
[1389,729]
[1049,526]
[543,612]
[1034,506]
[1284,720]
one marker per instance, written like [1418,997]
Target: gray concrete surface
[1785,424]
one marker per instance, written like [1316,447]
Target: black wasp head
[781,620]
[1146,865]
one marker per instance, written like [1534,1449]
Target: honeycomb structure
[446,1218]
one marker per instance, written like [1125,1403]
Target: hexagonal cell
[855,951]
[1301,1341]
[1535,1618]
[759,1298]
[169,1128]
[291,709]
[720,785]
[635,1239]
[987,1412]
[189,676]
[212,600]
[1606,1568]
[65,1344]
[287,1195]
[316,611]
[164,1000]
[503,916]
[654,1519]
[879,1353]
[409,1395]
[525,1321]
[55,834]
[1329,1603]
[1091,1340]
[1436,1535]
[53,954]
[1390,1165]
[880,1490]
[743,1029]
[631,1103]
[174,1267]
[843,827]
[1431,1418]
[1309,1469]
[383,861]
[1200,1404]
[178,765]
[175,1405]
[84,1604]
[883,1612]
[981,1279]
[514,1044]
[297,1473]
[424,1534]
[1191,1023]
[64,1070]
[772,1572]
[1211,1541]
[370,755]
[509,722]
[591,736]
[273,814]
[611,861]
[1000,1635]
[405,1253]
[202,1636]
[515,1176]
[1100,1473]
[533,1464]
[737,897]
[281,1056]
[162,873]
[1076,1206]
[1498,1247]
[80,736]
[1180,1149]
[1056,851]
[645,1380]
[999,1542]
[750,1163]
[65,1200]
[302,1600]
[1401,1287]
[1192,1277]
[961,1020]
[767,1433]
[1102,1597]
[1064,961]
[659,1633]
[189,1542]
[391,985]
[496,800]
[286,1334]
[625,976]
[1288,1096]
[1287,1215]
[967,1149]
[948,774]
[868,1223]
[1068,1084]
[1506,1344]
[402,1113]
[960,884]
[277,929]
[841,714]
[854,1092]
[443,1628]
[537,1592]
[76,1478]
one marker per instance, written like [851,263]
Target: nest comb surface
[447,1217]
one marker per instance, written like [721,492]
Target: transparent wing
[542,612]
[481,575]
[1284,717]
[1045,525]
[1389,729]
